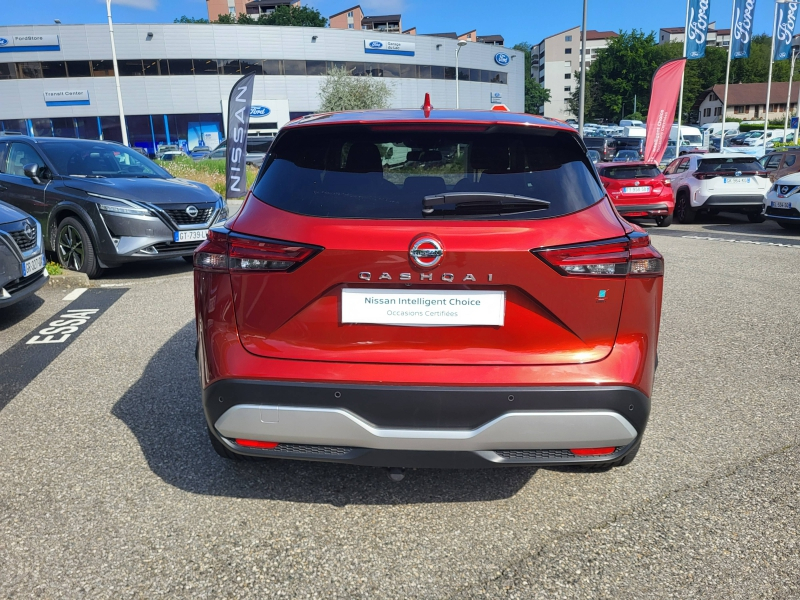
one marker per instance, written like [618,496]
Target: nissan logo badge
[426,252]
[30,231]
[191,211]
[502,59]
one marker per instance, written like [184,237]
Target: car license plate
[423,308]
[735,180]
[195,235]
[33,265]
[642,189]
[778,204]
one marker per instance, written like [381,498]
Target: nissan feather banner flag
[743,12]
[238,121]
[787,17]
[698,29]
[663,101]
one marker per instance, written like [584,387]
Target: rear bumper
[744,203]
[651,210]
[416,426]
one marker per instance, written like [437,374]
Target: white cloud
[143,4]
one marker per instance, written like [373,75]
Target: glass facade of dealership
[191,92]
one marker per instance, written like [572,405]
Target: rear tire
[664,221]
[756,217]
[792,225]
[75,249]
[222,449]
[683,209]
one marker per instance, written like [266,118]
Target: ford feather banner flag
[743,13]
[698,29]
[663,101]
[238,121]
[787,17]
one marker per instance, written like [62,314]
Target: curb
[69,279]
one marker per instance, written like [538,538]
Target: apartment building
[716,37]
[746,101]
[254,8]
[556,64]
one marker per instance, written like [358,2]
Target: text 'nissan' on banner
[661,113]
[787,17]
[742,34]
[697,32]
[238,122]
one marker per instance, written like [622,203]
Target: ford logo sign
[3,42]
[259,111]
[376,44]
[502,59]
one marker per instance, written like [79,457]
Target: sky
[515,20]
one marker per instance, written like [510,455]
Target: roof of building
[409,29]
[269,2]
[491,38]
[452,35]
[722,31]
[592,34]
[380,18]
[341,12]
[753,93]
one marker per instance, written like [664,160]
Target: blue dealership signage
[29,43]
[384,47]
[742,34]
[259,111]
[502,59]
[787,17]
[698,29]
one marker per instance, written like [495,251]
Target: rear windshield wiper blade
[478,201]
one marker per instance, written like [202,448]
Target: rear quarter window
[385,172]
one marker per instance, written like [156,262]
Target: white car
[717,183]
[783,202]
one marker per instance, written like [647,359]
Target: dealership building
[58,80]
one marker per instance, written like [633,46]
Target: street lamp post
[582,94]
[459,46]
[116,75]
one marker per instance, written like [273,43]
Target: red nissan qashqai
[415,288]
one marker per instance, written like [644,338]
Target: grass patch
[53,268]
[208,171]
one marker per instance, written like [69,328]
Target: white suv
[717,183]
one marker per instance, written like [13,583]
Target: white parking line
[74,294]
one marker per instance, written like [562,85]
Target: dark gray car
[101,204]
[22,261]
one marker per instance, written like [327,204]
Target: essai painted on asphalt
[23,361]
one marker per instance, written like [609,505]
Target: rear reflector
[257,444]
[592,451]
[224,251]
[632,255]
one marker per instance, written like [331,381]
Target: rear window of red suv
[635,172]
[386,171]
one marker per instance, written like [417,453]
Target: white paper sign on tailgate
[423,307]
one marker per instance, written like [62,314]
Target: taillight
[225,251]
[667,182]
[707,175]
[632,255]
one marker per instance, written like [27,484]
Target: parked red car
[413,288]
[638,190]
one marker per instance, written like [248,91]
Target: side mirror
[36,174]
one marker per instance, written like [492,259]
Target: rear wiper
[482,202]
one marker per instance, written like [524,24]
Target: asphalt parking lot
[109,487]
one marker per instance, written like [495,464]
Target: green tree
[293,16]
[185,19]
[342,91]
[535,94]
